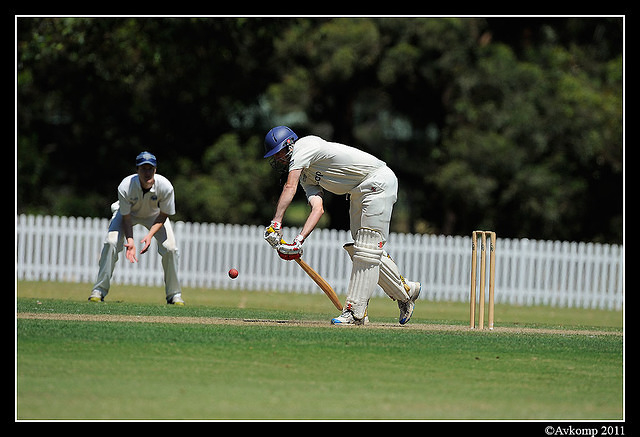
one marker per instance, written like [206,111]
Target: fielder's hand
[131,251]
[146,243]
[273,234]
[291,251]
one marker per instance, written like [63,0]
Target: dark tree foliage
[512,124]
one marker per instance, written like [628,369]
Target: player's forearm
[288,192]
[127,227]
[317,210]
[157,224]
[286,197]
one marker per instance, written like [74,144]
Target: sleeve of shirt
[312,190]
[123,201]
[303,152]
[167,203]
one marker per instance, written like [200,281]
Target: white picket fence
[528,272]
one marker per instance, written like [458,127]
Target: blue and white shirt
[133,200]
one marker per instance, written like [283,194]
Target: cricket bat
[319,280]
[322,283]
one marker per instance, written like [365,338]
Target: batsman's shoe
[346,318]
[176,300]
[96,296]
[406,308]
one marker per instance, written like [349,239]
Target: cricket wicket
[483,267]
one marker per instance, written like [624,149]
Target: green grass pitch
[214,359]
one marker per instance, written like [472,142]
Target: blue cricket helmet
[277,139]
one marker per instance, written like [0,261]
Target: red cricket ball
[233,273]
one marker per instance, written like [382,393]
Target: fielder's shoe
[406,308]
[96,296]
[346,318]
[176,299]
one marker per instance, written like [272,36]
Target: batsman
[318,166]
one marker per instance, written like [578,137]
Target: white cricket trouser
[114,243]
[370,217]
[372,202]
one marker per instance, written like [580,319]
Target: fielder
[144,198]
[320,165]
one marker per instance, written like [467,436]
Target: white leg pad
[365,272]
[390,279]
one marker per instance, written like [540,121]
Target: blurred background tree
[513,124]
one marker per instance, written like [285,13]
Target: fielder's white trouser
[114,243]
[370,216]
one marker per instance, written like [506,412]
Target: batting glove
[291,251]
[273,234]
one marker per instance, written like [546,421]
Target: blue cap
[146,158]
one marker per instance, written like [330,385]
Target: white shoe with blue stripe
[406,308]
[346,318]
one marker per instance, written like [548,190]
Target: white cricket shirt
[133,201]
[334,167]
